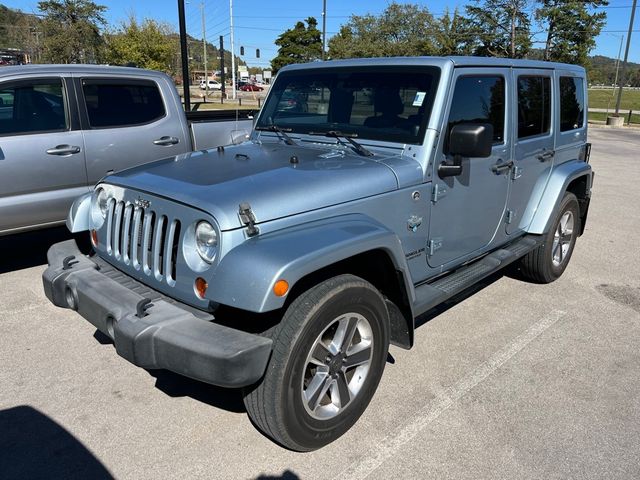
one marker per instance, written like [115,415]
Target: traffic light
[257,53]
[241,50]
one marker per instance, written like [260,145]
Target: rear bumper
[163,335]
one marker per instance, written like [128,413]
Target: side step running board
[430,295]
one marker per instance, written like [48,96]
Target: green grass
[601,98]
[601,116]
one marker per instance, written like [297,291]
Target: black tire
[538,265]
[276,404]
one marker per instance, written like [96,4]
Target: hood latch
[248,219]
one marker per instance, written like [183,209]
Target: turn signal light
[94,238]
[200,286]
[281,288]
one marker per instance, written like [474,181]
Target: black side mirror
[467,140]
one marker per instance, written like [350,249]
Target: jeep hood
[217,181]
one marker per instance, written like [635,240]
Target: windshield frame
[282,80]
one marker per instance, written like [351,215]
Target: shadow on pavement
[34,446]
[461,297]
[176,385]
[286,475]
[29,249]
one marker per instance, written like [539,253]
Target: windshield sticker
[419,99]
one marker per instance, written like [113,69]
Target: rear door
[42,165]
[468,209]
[534,142]
[126,122]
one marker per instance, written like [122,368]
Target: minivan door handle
[501,167]
[63,150]
[166,141]
[544,156]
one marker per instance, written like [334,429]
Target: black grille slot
[173,258]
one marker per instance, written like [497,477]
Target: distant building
[13,56]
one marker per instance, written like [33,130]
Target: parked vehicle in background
[249,87]
[64,127]
[286,265]
[212,85]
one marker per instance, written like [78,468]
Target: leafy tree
[71,30]
[19,30]
[300,44]
[401,30]
[571,28]
[147,45]
[452,34]
[502,27]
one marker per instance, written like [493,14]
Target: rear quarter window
[120,104]
[571,103]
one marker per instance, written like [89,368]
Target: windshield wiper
[279,130]
[350,138]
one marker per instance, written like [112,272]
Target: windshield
[378,103]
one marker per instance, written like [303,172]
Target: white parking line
[387,448]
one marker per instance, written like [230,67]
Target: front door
[533,144]
[42,166]
[468,209]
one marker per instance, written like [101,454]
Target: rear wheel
[547,262]
[329,353]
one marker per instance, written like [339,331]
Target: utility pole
[626,56]
[185,56]
[233,51]
[324,27]
[222,90]
[204,55]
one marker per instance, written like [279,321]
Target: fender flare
[543,212]
[245,276]
[79,217]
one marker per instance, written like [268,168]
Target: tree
[148,44]
[452,34]
[71,30]
[20,30]
[571,28]
[502,27]
[300,44]
[401,30]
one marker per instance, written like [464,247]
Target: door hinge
[433,245]
[437,192]
[248,219]
[509,216]
[516,172]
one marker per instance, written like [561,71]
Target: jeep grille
[140,237]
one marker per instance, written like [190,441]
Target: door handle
[63,150]
[501,167]
[166,141]
[544,156]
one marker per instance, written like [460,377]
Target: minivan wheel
[329,352]
[547,262]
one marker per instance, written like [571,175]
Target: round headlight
[99,206]
[206,241]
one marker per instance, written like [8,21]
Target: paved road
[515,381]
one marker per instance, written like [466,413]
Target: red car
[251,88]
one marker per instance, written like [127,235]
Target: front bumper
[162,334]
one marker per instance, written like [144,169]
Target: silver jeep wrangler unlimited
[369,192]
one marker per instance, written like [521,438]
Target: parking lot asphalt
[512,381]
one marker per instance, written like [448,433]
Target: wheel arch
[575,177]
[310,253]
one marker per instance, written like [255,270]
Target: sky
[258,23]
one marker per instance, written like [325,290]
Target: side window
[120,104]
[571,103]
[32,106]
[479,99]
[534,106]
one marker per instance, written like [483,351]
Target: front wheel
[329,353]
[547,262]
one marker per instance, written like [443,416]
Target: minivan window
[32,106]
[122,104]
[571,103]
[534,105]
[479,99]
